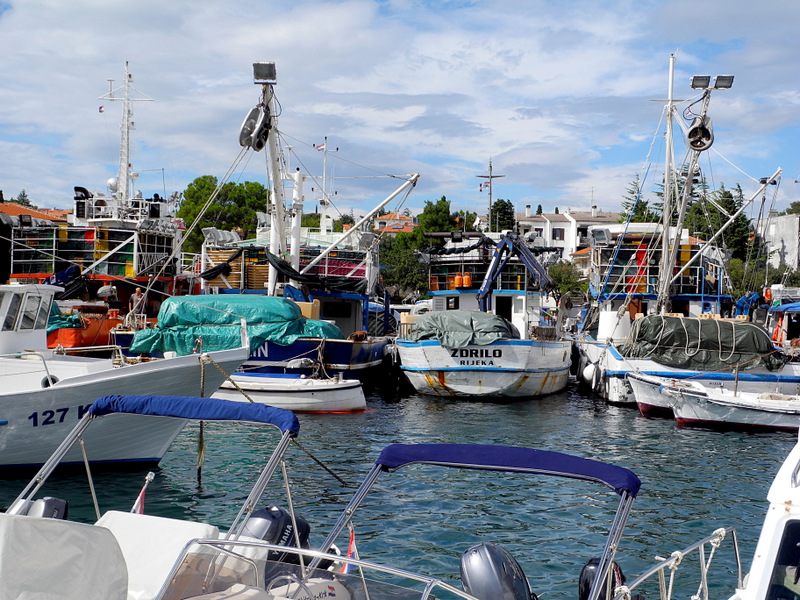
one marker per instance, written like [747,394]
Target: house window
[558,233]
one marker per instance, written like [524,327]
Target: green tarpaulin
[459,328]
[216,319]
[702,344]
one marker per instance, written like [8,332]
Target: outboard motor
[274,525]
[490,573]
[588,575]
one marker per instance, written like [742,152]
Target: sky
[565,99]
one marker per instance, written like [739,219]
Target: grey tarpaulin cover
[702,344]
[459,328]
[216,319]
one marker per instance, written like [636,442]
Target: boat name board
[472,356]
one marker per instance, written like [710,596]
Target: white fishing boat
[335,274]
[491,341]
[661,305]
[297,393]
[651,398]
[44,393]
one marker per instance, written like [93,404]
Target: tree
[400,264]
[22,198]
[502,216]
[234,207]
[635,208]
[567,278]
[704,219]
[794,209]
[539,209]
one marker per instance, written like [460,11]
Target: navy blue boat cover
[206,409]
[513,459]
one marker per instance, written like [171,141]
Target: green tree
[22,199]
[567,278]
[311,220]
[233,208]
[556,210]
[704,219]
[539,209]
[794,209]
[400,264]
[502,216]
[634,207]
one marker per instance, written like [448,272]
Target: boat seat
[151,545]
[54,558]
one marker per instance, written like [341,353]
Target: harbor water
[422,518]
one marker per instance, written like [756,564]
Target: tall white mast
[122,189]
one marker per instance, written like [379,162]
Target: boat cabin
[24,312]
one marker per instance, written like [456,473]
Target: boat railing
[673,572]
[214,565]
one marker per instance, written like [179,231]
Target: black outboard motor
[274,525]
[588,575]
[490,573]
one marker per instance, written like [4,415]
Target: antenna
[488,183]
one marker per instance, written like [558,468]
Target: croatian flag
[101,109]
[138,506]
[352,552]
[320,147]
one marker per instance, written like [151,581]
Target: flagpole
[138,506]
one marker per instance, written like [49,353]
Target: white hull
[35,419]
[608,370]
[721,408]
[296,393]
[506,368]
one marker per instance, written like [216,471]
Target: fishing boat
[494,340]
[720,408]
[112,242]
[334,274]
[44,392]
[651,397]
[298,393]
[653,286]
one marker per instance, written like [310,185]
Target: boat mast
[666,215]
[488,184]
[121,188]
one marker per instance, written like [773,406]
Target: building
[393,223]
[782,236]
[568,230]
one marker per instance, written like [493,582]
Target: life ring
[768,294]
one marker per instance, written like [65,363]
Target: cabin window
[44,314]
[13,310]
[31,311]
[784,583]
[452,303]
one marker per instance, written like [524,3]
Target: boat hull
[604,370]
[505,368]
[724,410]
[353,359]
[34,420]
[295,393]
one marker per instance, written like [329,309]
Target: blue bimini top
[205,409]
[511,459]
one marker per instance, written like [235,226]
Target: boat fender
[49,380]
[489,572]
[588,575]
[588,373]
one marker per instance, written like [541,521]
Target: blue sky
[564,98]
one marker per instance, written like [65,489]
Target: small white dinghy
[294,392]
